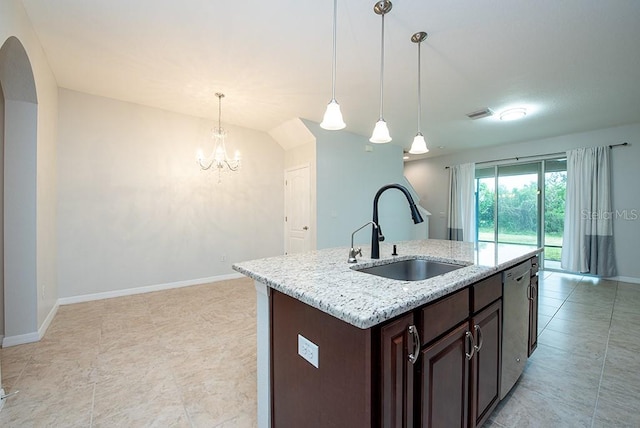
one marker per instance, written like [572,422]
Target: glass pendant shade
[419,145]
[380,133]
[332,119]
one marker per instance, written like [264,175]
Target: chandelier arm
[232,168]
[205,166]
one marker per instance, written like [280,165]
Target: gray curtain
[587,245]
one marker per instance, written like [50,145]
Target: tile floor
[176,358]
[186,357]
[586,369]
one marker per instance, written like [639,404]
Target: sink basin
[411,270]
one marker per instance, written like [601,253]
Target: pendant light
[419,145]
[380,131]
[332,119]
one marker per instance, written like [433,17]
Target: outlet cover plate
[308,350]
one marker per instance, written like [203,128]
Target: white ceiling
[575,64]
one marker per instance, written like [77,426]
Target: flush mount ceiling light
[332,119]
[513,114]
[419,145]
[380,131]
[218,158]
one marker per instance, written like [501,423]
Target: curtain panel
[461,224]
[587,245]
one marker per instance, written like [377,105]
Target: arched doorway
[19,167]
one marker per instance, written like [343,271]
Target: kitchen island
[324,329]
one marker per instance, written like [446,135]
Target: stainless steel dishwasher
[515,334]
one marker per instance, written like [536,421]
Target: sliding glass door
[523,204]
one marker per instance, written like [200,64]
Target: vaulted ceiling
[574,64]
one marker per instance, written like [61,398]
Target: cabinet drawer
[485,292]
[439,317]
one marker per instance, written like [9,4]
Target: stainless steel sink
[411,270]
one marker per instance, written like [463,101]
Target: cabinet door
[397,374]
[485,364]
[533,314]
[444,380]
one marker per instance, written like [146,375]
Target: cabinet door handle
[479,336]
[469,337]
[413,331]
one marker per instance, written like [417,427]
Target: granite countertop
[324,280]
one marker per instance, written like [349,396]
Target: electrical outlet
[223,258]
[308,350]
[42,291]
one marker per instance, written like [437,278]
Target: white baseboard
[37,335]
[20,339]
[47,321]
[145,289]
[630,279]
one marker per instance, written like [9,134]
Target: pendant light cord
[333,73]
[382,69]
[419,91]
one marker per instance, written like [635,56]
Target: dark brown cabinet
[485,364]
[444,380]
[458,369]
[396,380]
[384,376]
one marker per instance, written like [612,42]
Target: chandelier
[218,159]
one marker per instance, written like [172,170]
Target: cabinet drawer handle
[415,337]
[469,337]
[479,336]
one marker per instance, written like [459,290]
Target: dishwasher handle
[525,275]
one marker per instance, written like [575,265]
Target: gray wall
[136,210]
[430,179]
[348,178]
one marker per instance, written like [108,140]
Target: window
[523,204]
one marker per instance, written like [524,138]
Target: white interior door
[297,207]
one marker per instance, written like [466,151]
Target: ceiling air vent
[479,114]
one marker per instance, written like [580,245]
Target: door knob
[305,228]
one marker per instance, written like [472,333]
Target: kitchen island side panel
[338,393]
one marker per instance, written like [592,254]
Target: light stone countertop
[324,280]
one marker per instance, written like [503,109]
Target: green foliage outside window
[518,214]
